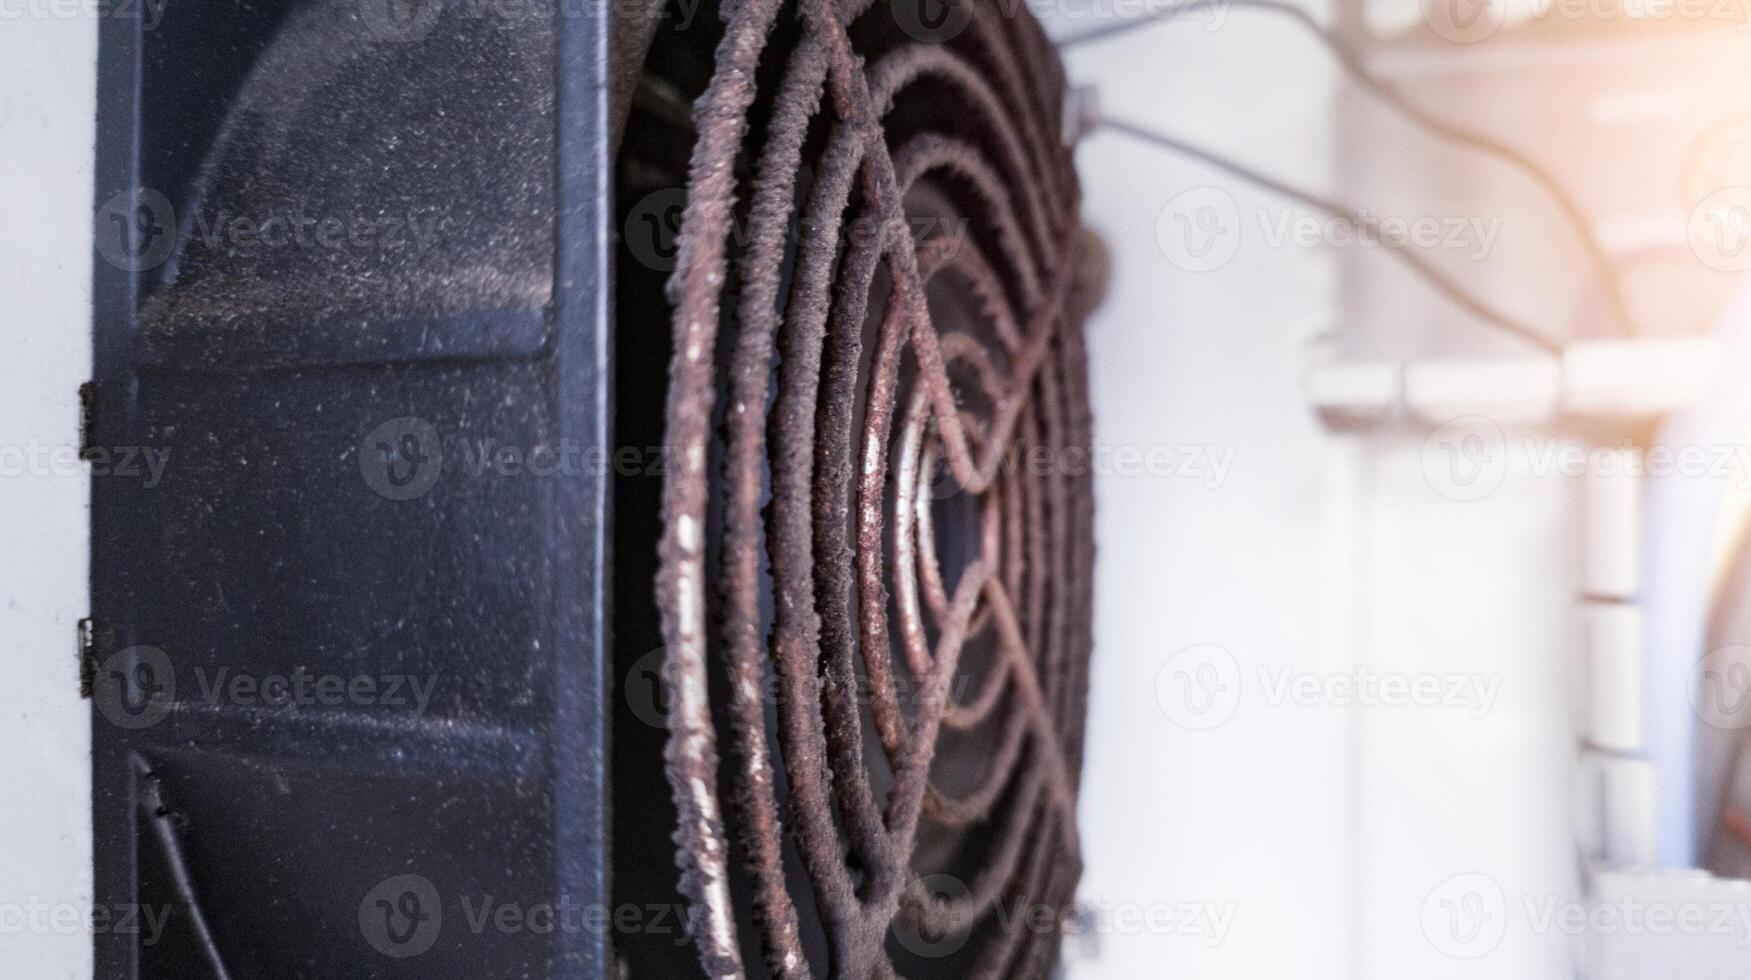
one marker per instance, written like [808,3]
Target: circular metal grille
[877,521]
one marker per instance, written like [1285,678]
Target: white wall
[1321,831]
[47,128]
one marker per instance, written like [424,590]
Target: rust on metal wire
[812,436]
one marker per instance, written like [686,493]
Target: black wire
[1352,65]
[1447,287]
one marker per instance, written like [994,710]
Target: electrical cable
[1352,65]
[1446,286]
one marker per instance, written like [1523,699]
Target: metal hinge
[87,657]
[87,420]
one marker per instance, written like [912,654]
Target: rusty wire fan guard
[847,441]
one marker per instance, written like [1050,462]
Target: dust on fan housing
[883,221]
